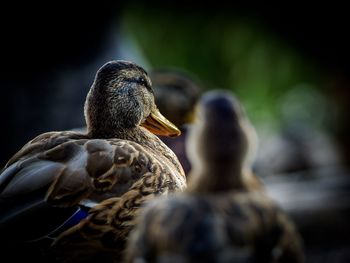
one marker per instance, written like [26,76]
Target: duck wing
[57,174]
[24,182]
[109,223]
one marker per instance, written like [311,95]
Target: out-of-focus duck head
[221,142]
[176,93]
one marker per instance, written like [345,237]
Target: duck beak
[159,125]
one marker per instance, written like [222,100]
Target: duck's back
[242,227]
[56,178]
[26,178]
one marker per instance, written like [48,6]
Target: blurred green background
[223,52]
[286,63]
[285,82]
[232,51]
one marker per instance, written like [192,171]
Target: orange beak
[159,125]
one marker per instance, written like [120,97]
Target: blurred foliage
[224,51]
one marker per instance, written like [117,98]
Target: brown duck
[224,216]
[76,195]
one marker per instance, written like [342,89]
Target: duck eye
[142,81]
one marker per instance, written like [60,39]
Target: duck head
[121,99]
[176,93]
[221,142]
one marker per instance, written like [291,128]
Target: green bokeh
[226,52]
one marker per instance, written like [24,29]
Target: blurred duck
[176,94]
[78,193]
[224,215]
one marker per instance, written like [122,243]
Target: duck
[176,93]
[223,215]
[73,196]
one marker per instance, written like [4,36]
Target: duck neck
[110,131]
[216,178]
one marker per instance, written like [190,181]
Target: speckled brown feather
[119,174]
[137,177]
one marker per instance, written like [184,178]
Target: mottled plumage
[224,215]
[109,172]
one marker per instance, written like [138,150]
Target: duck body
[225,214]
[74,196]
[229,227]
